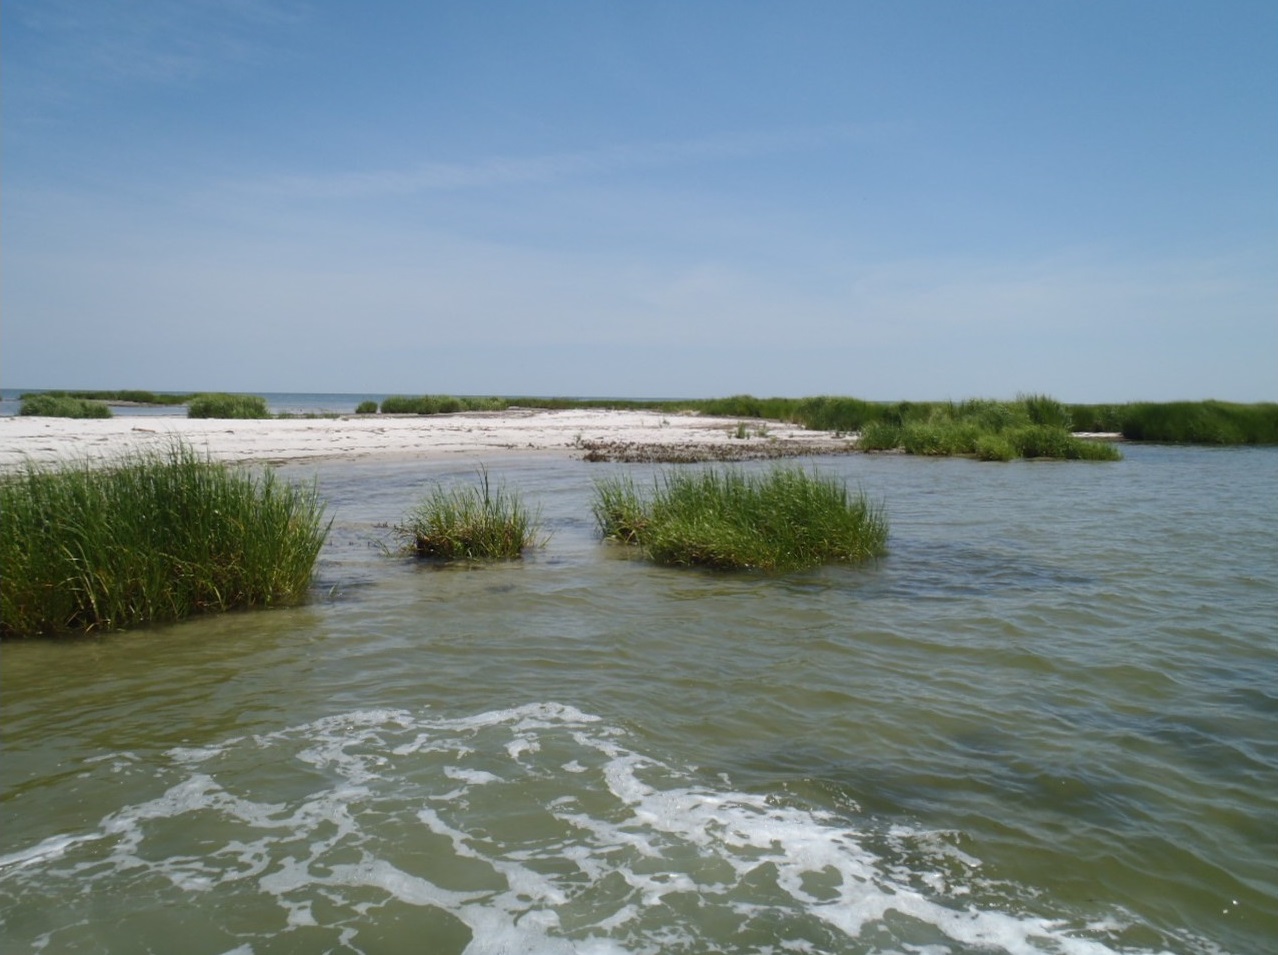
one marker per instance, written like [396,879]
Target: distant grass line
[132,396]
[786,519]
[441,404]
[63,406]
[1203,422]
[156,538]
[1185,422]
[470,522]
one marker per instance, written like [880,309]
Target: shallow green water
[1047,722]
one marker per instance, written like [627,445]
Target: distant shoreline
[575,433]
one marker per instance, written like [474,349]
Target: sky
[896,200]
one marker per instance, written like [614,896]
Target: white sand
[482,435]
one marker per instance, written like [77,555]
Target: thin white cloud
[514,170]
[150,41]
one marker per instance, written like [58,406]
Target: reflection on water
[1042,723]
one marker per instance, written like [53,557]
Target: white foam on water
[44,851]
[542,830]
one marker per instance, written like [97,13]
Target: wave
[537,828]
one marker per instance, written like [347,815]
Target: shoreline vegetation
[920,427]
[130,527]
[786,519]
[470,523]
[154,538]
[1173,422]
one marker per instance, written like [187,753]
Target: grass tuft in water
[155,538]
[471,522]
[63,406]
[620,511]
[786,519]
[220,405]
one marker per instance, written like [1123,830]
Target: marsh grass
[470,522]
[221,405]
[123,395]
[1032,426]
[441,404]
[155,538]
[63,406]
[786,519]
[879,436]
[620,511]
[1200,422]
[366,407]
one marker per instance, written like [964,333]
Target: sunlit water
[1047,722]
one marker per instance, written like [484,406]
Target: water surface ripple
[1046,722]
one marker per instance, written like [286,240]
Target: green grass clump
[366,407]
[1047,441]
[63,406]
[994,447]
[940,437]
[472,522]
[221,405]
[1032,426]
[1201,422]
[155,538]
[786,519]
[440,404]
[620,511]
[879,436]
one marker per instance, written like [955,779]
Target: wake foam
[533,829]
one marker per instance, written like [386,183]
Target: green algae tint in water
[1044,723]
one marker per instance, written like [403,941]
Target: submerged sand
[589,434]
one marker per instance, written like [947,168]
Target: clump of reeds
[879,436]
[62,406]
[366,407]
[620,511]
[154,538]
[785,519]
[470,522]
[221,405]
[1200,422]
[440,404]
[1032,426]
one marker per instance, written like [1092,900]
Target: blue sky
[893,200]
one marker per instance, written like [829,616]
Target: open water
[1047,722]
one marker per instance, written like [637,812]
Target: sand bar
[580,433]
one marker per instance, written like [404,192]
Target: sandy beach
[589,434]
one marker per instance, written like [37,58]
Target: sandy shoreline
[589,434]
